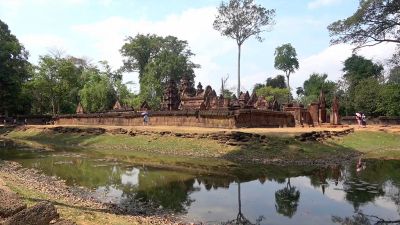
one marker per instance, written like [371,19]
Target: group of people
[361,119]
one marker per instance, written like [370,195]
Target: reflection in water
[303,195]
[240,218]
[360,218]
[287,200]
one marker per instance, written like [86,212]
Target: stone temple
[184,105]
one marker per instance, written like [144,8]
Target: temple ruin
[184,105]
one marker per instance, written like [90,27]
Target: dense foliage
[59,82]
[270,93]
[362,88]
[375,22]
[286,60]
[157,60]
[14,71]
[312,88]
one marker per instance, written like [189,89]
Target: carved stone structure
[79,109]
[117,105]
[118,108]
[335,120]
[183,105]
[195,118]
[322,107]
[315,114]
[171,97]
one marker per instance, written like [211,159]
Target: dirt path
[200,130]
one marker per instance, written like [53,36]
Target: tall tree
[143,50]
[139,51]
[241,19]
[356,69]
[286,60]
[374,22]
[13,70]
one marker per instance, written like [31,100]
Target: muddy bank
[308,148]
[59,194]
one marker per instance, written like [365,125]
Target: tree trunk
[239,52]
[288,85]
[239,199]
[53,105]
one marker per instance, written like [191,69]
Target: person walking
[358,118]
[363,120]
[145,115]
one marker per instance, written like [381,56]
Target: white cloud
[321,3]
[193,25]
[36,43]
[331,59]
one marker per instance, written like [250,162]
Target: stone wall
[30,119]
[196,118]
[382,120]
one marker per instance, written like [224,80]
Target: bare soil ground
[200,130]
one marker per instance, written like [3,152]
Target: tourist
[145,115]
[358,118]
[25,121]
[15,122]
[4,122]
[363,120]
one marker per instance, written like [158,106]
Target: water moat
[277,195]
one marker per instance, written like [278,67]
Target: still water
[277,195]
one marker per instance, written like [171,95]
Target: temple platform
[241,118]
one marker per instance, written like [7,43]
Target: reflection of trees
[287,200]
[240,218]
[167,189]
[362,219]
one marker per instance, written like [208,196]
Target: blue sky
[97,29]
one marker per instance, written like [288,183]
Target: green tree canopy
[13,70]
[241,19]
[140,51]
[97,95]
[280,94]
[313,86]
[388,103]
[286,60]
[374,22]
[366,96]
[157,59]
[55,85]
[171,55]
[357,68]
[276,82]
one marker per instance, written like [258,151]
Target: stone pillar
[335,119]
[313,109]
[322,107]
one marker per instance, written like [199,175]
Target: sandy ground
[271,131]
